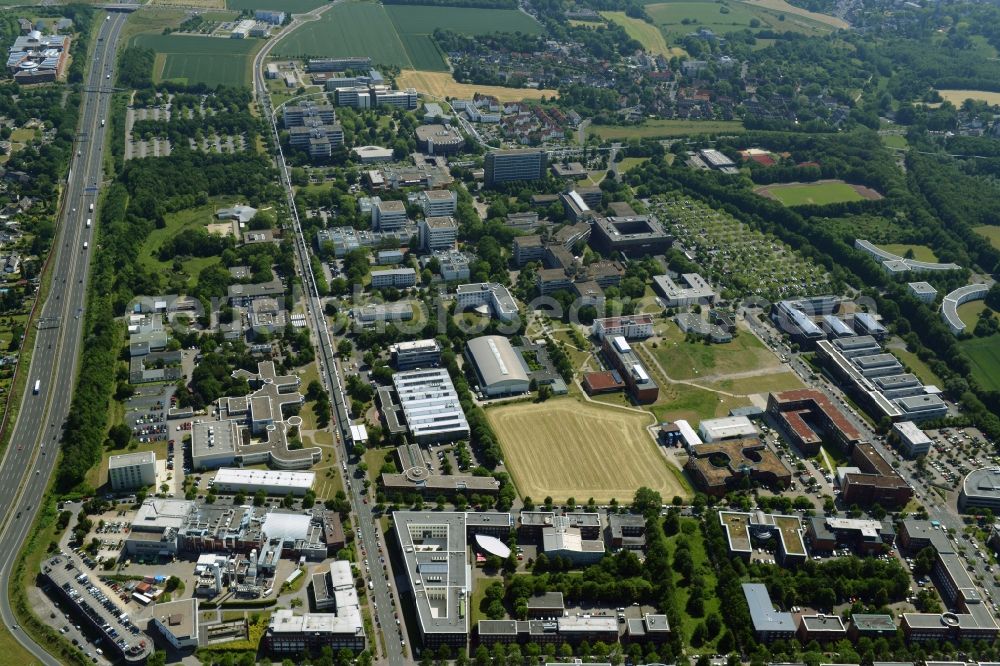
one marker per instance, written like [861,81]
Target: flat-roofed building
[576,629]
[981,490]
[626,530]
[434,550]
[528,248]
[499,369]
[827,533]
[912,440]
[867,324]
[737,459]
[437,233]
[291,634]
[923,291]
[492,297]
[272,482]
[653,628]
[376,313]
[768,624]
[435,139]
[333,590]
[129,471]
[795,318]
[546,605]
[688,289]
[430,405]
[399,278]
[743,529]
[505,166]
[878,481]
[727,427]
[858,345]
[797,410]
[412,354]
[623,359]
[822,628]
[533,523]
[564,540]
[630,327]
[871,625]
[177,622]
[632,236]
[388,215]
[437,203]
[923,407]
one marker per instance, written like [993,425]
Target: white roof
[262,477]
[286,526]
[492,545]
[691,438]
[727,427]
[359,433]
[911,432]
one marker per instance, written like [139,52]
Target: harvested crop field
[819,193]
[569,448]
[443,84]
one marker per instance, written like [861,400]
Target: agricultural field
[991,233]
[397,35]
[737,258]
[209,60]
[818,193]
[199,4]
[443,84]
[723,17]
[661,128]
[562,448]
[984,353]
[920,252]
[648,35]
[956,97]
[287,6]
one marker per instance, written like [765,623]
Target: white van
[88,222]
[85,245]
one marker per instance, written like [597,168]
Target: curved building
[949,306]
[981,490]
[498,367]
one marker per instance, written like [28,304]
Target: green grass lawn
[895,141]
[991,233]
[420,20]
[175,223]
[660,127]
[814,193]
[918,367]
[984,353]
[650,36]
[209,60]
[778,381]
[920,252]
[702,566]
[692,360]
[969,313]
[632,162]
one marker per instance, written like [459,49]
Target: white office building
[430,405]
[272,482]
[437,203]
[912,440]
[132,470]
[437,233]
[416,354]
[490,297]
[388,215]
[400,278]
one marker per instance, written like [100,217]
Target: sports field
[398,34]
[209,60]
[991,233]
[648,35]
[570,448]
[443,84]
[287,6]
[984,353]
[818,193]
[655,129]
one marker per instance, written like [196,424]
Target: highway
[30,457]
[364,522]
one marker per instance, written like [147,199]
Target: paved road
[30,457]
[364,521]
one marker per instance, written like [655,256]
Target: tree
[647,501]
[259,498]
[120,435]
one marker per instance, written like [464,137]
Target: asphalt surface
[372,547]
[31,455]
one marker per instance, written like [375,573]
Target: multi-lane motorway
[392,651]
[31,455]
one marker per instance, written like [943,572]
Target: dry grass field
[782,6]
[570,448]
[443,84]
[956,97]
